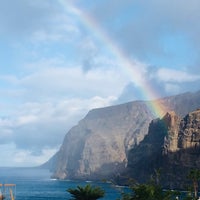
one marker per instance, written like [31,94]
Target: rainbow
[132,68]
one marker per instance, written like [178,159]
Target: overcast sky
[59,59]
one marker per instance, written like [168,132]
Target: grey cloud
[132,93]
[20,16]
[169,82]
[88,52]
[39,135]
[144,36]
[129,93]
[38,126]
[147,23]
[46,131]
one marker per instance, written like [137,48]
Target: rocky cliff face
[183,134]
[97,147]
[187,155]
[172,123]
[107,139]
[173,145]
[189,136]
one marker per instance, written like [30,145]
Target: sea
[35,183]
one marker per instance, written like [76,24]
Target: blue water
[37,184]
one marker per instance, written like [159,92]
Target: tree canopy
[86,192]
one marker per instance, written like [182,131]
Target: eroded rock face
[189,135]
[172,145]
[172,123]
[97,147]
[182,133]
[185,154]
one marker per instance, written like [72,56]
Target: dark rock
[172,145]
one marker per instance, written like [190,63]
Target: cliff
[187,155]
[172,145]
[97,147]
[102,144]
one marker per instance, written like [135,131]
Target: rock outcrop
[108,139]
[176,164]
[172,145]
[172,123]
[183,134]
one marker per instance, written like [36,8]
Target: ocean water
[36,184]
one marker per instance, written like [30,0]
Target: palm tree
[194,175]
[149,191]
[86,193]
